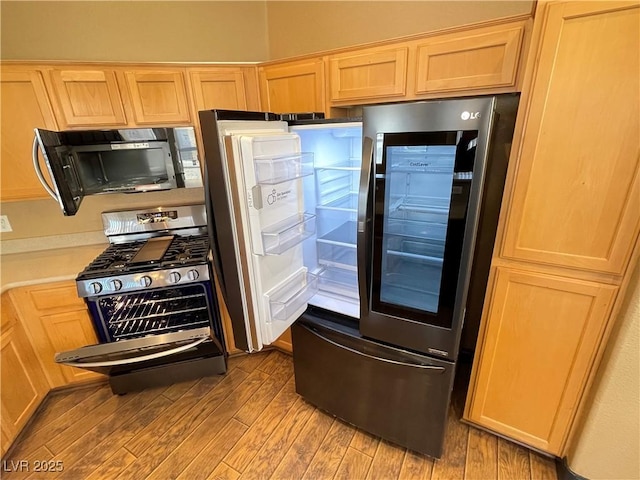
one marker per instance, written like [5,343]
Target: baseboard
[564,472]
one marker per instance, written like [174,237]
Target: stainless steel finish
[144,358]
[36,167]
[161,219]
[140,281]
[136,344]
[435,369]
[364,224]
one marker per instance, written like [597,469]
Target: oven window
[155,312]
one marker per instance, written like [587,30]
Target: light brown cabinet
[156,96]
[25,106]
[540,343]
[87,97]
[23,381]
[466,61]
[55,319]
[218,88]
[375,73]
[297,86]
[569,226]
[577,192]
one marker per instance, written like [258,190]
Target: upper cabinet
[481,58]
[87,97]
[577,189]
[368,74]
[218,88]
[157,96]
[25,106]
[293,86]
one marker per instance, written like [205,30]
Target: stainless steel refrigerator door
[126,355]
[415,295]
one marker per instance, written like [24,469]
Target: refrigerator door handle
[364,219]
[325,338]
[128,361]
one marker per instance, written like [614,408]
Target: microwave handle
[36,167]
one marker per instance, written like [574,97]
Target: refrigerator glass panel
[422,190]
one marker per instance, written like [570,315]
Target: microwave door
[127,355]
[62,170]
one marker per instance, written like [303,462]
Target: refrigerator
[371,238]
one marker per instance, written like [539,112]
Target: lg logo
[469,115]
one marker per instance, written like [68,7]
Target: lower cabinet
[540,341]
[284,341]
[55,320]
[24,383]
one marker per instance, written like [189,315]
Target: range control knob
[115,284]
[95,288]
[193,274]
[174,277]
[146,281]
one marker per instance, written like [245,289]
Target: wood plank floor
[248,424]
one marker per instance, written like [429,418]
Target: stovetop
[120,258]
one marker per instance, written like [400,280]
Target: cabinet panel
[87,97]
[218,88]
[23,382]
[577,189]
[158,96]
[56,320]
[371,74]
[482,58]
[293,87]
[540,341]
[25,106]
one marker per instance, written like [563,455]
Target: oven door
[128,355]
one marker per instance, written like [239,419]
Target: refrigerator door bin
[341,372]
[290,297]
[274,169]
[281,236]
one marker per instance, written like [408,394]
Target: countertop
[44,266]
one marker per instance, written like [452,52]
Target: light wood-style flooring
[247,424]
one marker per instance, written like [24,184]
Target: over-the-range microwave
[91,162]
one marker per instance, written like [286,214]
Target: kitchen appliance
[133,160]
[152,301]
[372,239]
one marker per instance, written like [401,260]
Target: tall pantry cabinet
[570,223]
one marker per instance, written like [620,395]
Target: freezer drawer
[397,395]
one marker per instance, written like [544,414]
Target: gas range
[150,249]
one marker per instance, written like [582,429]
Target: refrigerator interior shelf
[421,230]
[352,164]
[347,202]
[413,277]
[337,281]
[345,235]
[281,236]
[292,294]
[274,169]
[417,257]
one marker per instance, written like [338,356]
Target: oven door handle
[129,361]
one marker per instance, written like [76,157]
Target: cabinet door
[218,88]
[293,87]
[158,96]
[87,97]
[23,382]
[56,320]
[540,341]
[370,74]
[482,58]
[25,106]
[577,190]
